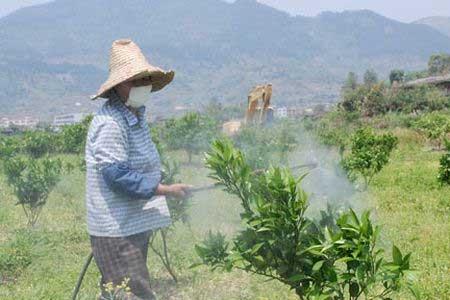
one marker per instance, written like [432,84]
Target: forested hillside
[58,52]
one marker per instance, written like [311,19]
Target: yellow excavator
[258,112]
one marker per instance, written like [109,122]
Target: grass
[408,202]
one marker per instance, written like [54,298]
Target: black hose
[81,277]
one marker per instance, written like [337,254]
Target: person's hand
[178,190]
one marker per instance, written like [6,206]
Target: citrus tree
[38,143]
[72,138]
[369,153]
[32,180]
[9,146]
[191,133]
[339,261]
[266,145]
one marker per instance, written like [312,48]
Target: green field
[405,197]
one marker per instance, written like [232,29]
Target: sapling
[369,153]
[38,143]
[338,261]
[32,181]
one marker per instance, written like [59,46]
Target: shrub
[444,168]
[352,99]
[370,78]
[266,145]
[369,153]
[368,100]
[38,143]
[191,133]
[341,261]
[374,101]
[435,126]
[335,128]
[9,146]
[421,98]
[351,83]
[439,64]
[396,76]
[72,138]
[32,180]
[257,144]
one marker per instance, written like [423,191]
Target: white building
[309,112]
[281,112]
[4,122]
[68,119]
[26,122]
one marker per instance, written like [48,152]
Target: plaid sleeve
[110,144]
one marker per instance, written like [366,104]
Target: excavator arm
[263,93]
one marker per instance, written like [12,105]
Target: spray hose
[208,187]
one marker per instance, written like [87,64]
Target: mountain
[441,24]
[56,54]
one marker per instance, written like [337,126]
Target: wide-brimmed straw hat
[128,63]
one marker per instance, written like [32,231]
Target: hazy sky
[7,6]
[403,10]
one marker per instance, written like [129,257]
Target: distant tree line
[373,97]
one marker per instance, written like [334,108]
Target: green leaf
[256,247]
[415,291]
[195,265]
[354,289]
[360,273]
[297,277]
[397,256]
[318,265]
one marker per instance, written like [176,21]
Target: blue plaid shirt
[123,172]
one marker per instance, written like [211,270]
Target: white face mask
[139,96]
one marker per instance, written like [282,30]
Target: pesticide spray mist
[326,184]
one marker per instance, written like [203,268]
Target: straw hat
[127,62]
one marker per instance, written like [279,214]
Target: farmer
[124,197]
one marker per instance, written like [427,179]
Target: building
[442,82]
[281,112]
[308,112]
[68,119]
[25,122]
[295,112]
[4,122]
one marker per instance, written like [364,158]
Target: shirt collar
[131,118]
